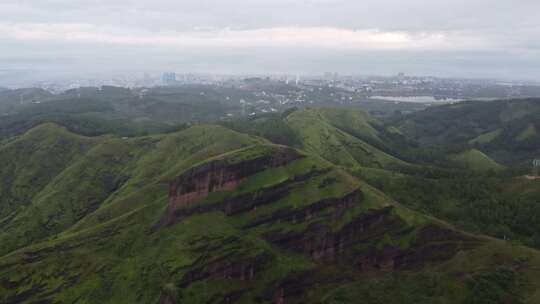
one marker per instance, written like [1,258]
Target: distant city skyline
[140,79]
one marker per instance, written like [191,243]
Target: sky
[476,38]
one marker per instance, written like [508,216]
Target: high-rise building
[331,76]
[168,78]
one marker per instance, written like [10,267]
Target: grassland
[319,134]
[101,245]
[81,219]
[475,160]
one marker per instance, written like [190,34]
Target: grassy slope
[487,202]
[319,133]
[505,129]
[527,133]
[169,155]
[446,193]
[118,225]
[77,191]
[354,122]
[475,160]
[113,166]
[114,255]
[31,161]
[486,138]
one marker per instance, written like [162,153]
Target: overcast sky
[456,38]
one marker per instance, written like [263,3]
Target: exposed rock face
[243,269]
[240,203]
[339,205]
[322,244]
[433,244]
[329,231]
[166,299]
[220,175]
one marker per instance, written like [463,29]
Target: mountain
[212,215]
[11,99]
[475,160]
[506,130]
[342,137]
[345,137]
[461,185]
[69,176]
[32,161]
[103,113]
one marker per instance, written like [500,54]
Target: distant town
[255,94]
[400,87]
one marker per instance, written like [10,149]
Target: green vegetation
[475,160]
[270,126]
[530,132]
[112,110]
[505,130]
[319,134]
[486,137]
[370,211]
[32,161]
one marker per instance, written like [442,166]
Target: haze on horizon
[458,38]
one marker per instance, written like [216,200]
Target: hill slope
[475,160]
[30,162]
[209,215]
[61,189]
[345,137]
[505,130]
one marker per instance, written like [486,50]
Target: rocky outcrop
[220,175]
[294,286]
[166,299]
[354,249]
[243,269]
[339,206]
[432,244]
[322,244]
[240,203]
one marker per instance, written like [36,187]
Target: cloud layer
[416,36]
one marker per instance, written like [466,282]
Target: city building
[168,78]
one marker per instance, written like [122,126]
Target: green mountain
[121,111]
[475,160]
[10,100]
[212,215]
[505,130]
[458,184]
[341,136]
[345,137]
[30,162]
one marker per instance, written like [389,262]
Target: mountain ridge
[320,218]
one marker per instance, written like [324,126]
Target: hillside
[475,160]
[10,100]
[32,161]
[56,199]
[345,137]
[121,111]
[210,215]
[505,130]
[461,185]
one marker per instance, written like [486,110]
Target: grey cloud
[497,38]
[382,14]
